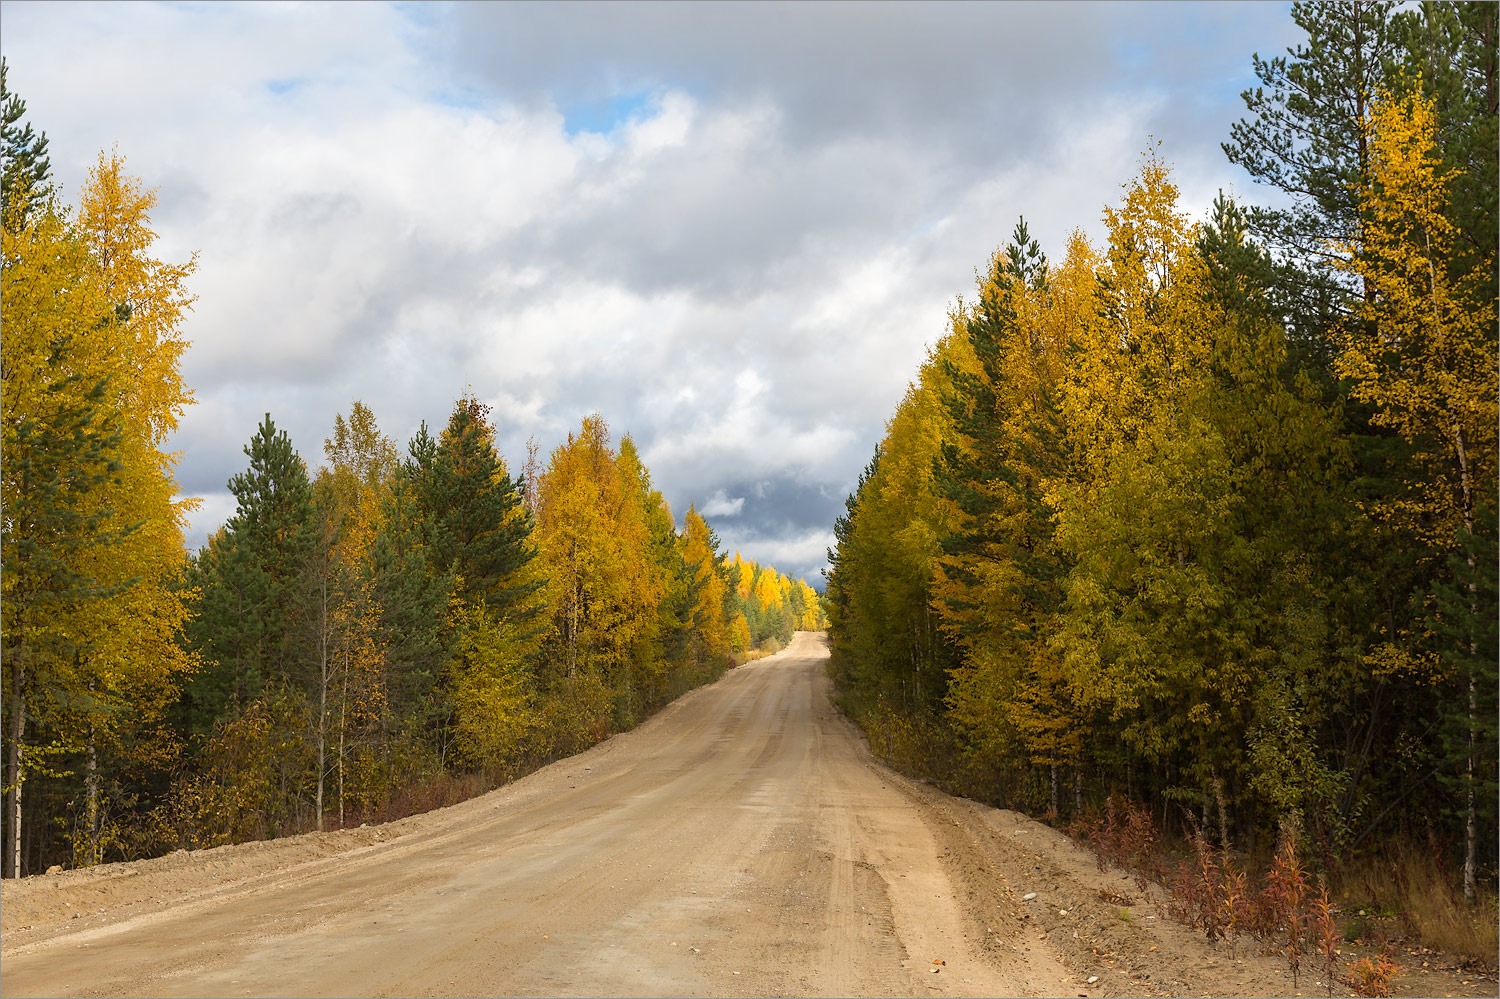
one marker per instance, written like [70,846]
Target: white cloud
[743,272]
[213,510]
[720,505]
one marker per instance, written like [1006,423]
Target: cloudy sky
[731,229]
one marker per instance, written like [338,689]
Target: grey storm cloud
[980,78]
[731,229]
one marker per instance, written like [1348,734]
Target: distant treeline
[1205,515]
[387,633]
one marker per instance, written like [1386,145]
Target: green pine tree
[27,166]
[1304,138]
[256,575]
[413,596]
[53,462]
[480,529]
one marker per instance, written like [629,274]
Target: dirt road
[742,842]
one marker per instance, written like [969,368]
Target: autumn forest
[1195,523]
[1201,521]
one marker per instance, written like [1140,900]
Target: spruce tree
[413,595]
[994,477]
[480,529]
[257,582]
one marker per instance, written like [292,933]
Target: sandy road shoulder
[1079,923]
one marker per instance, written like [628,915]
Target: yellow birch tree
[130,658]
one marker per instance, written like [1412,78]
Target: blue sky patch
[604,115]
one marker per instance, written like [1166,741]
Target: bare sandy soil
[742,842]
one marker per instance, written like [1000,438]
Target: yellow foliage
[709,626]
[768,589]
[114,217]
[83,306]
[743,572]
[739,633]
[1422,350]
[491,688]
[594,543]
[134,656]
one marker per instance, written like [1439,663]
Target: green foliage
[1202,516]
[352,669]
[412,594]
[480,531]
[492,687]
[1304,138]
[28,168]
[1464,625]
[253,778]
[253,624]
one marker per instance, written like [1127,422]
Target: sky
[734,230]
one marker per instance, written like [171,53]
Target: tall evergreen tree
[480,529]
[1305,138]
[256,579]
[1004,446]
[413,596]
[998,581]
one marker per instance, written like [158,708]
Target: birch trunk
[17,734]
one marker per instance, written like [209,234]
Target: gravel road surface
[741,842]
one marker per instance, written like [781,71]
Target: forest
[367,637]
[1200,521]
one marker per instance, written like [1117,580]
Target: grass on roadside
[768,648]
[1407,883]
[1402,895]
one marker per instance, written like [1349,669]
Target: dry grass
[1402,893]
[768,648]
[437,791]
[1409,881]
